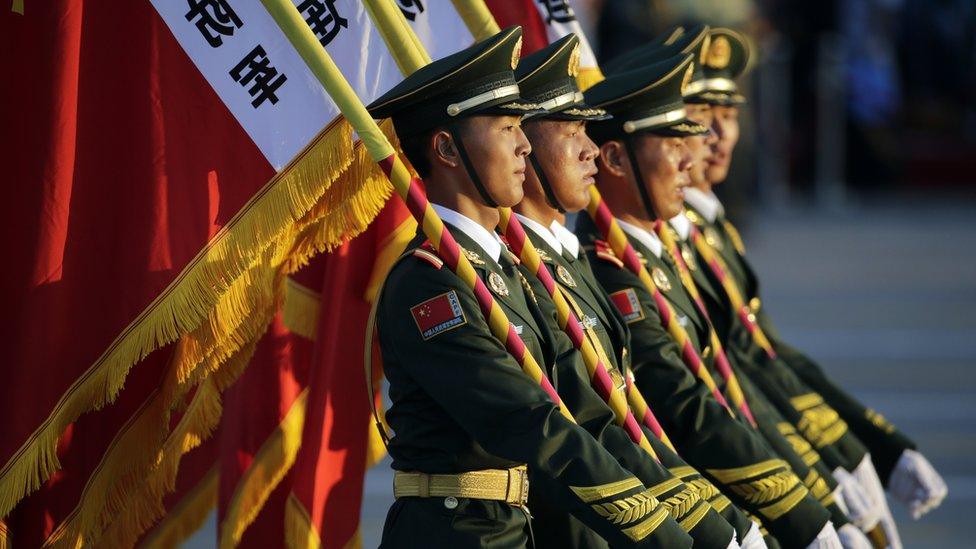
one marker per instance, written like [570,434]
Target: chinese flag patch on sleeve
[438,314]
[629,306]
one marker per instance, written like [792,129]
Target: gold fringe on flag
[354,207]
[123,485]
[187,516]
[271,463]
[299,532]
[588,76]
[218,306]
[300,311]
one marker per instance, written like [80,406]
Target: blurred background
[849,99]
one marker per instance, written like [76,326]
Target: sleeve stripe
[593,493]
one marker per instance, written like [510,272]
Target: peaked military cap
[478,80]
[695,41]
[646,99]
[674,42]
[725,60]
[547,78]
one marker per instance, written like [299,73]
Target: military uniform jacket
[883,440]
[695,515]
[460,403]
[727,450]
[776,419]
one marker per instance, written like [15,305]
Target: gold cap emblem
[660,279]
[706,44]
[516,53]
[688,75]
[574,61]
[497,284]
[719,53]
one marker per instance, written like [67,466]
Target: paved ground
[884,296]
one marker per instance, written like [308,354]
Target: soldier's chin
[511,198]
[716,173]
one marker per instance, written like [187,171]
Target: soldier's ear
[444,151]
[612,155]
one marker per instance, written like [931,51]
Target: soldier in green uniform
[648,130]
[562,153]
[467,420]
[908,474]
[764,396]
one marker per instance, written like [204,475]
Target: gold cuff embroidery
[808,400]
[879,421]
[720,502]
[649,524]
[629,509]
[682,503]
[688,523]
[768,488]
[666,486]
[682,471]
[783,506]
[593,493]
[727,476]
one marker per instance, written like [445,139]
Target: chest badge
[564,276]
[689,258]
[473,257]
[497,284]
[660,279]
[711,237]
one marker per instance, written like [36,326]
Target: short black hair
[601,133]
[416,147]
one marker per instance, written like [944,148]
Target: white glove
[753,538]
[858,504]
[733,544]
[916,484]
[867,477]
[852,538]
[826,539]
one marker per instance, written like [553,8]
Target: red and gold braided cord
[615,237]
[598,370]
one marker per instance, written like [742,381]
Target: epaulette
[603,251]
[694,217]
[426,252]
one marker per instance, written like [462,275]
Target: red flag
[524,13]
[327,482]
[143,214]
[194,497]
[264,414]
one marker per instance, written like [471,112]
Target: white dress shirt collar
[649,240]
[681,225]
[542,232]
[489,241]
[706,203]
[566,238]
